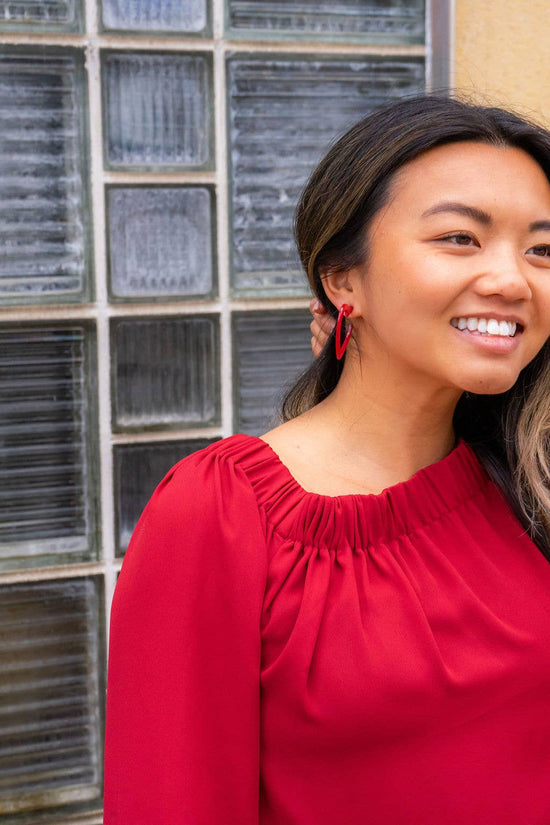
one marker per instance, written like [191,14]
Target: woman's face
[456,288]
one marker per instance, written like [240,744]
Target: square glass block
[51,682]
[166,372]
[42,167]
[168,16]
[47,434]
[158,110]
[284,113]
[161,242]
[270,351]
[138,469]
[41,15]
[375,21]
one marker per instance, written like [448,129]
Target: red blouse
[284,658]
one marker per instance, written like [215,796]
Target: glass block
[161,242]
[40,15]
[47,511]
[43,197]
[158,110]
[166,372]
[271,349]
[51,658]
[172,16]
[138,469]
[284,113]
[378,21]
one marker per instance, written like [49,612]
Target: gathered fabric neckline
[357,519]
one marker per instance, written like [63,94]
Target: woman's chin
[495,385]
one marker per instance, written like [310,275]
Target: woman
[348,620]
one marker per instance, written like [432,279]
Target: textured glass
[46,512]
[42,232]
[375,20]
[157,110]
[271,349]
[155,15]
[138,470]
[48,15]
[50,726]
[284,113]
[166,372]
[160,241]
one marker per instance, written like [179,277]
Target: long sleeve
[182,734]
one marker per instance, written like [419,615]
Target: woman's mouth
[487,326]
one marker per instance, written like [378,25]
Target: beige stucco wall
[502,54]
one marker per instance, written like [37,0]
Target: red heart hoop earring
[345,310]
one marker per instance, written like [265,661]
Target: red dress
[283,658]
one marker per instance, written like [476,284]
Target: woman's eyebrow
[477,214]
[538,225]
[460,209]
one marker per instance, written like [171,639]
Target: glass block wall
[151,302]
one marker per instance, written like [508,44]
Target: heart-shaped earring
[344,311]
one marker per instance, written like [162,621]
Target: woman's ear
[342,288]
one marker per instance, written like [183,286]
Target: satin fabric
[283,658]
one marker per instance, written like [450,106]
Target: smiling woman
[346,621]
[468,187]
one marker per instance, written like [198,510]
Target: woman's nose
[506,281]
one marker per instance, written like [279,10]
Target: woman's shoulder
[239,474]
[229,462]
[217,471]
[205,499]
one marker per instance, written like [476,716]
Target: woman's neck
[401,421]
[367,435]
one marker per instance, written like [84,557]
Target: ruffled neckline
[356,519]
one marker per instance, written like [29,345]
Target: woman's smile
[488,333]
[489,326]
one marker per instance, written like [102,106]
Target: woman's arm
[182,735]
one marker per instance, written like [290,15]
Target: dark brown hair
[510,432]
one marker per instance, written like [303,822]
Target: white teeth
[488,326]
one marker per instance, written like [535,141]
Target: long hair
[510,432]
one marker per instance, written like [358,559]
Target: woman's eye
[541,249]
[459,239]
